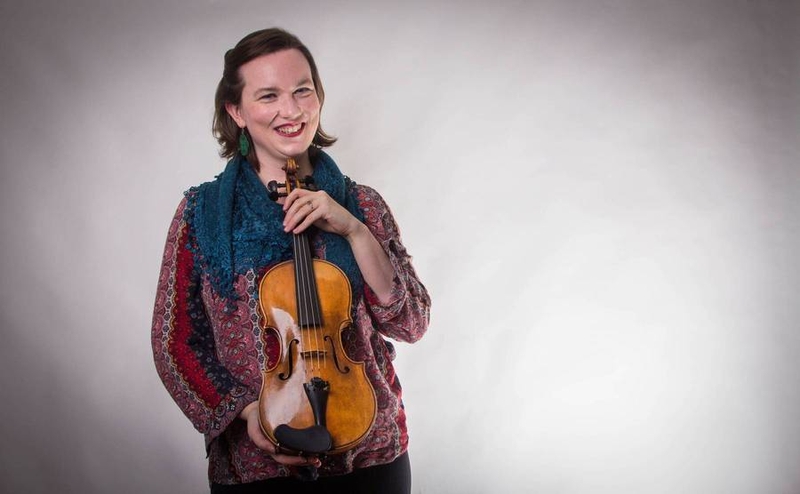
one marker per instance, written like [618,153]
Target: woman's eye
[303,90]
[268,96]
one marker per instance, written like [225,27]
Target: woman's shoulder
[187,204]
[367,196]
[222,183]
[194,190]
[197,194]
[374,209]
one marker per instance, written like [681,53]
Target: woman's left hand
[304,208]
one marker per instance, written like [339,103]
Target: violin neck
[308,311]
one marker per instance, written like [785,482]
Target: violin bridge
[314,354]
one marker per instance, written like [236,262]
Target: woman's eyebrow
[273,89]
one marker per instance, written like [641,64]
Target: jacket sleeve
[183,342]
[405,315]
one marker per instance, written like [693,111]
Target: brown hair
[229,89]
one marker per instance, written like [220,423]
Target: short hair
[229,89]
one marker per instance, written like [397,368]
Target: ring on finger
[310,204]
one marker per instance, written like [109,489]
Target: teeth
[290,129]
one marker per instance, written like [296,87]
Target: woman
[208,344]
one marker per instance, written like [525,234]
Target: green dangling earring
[244,143]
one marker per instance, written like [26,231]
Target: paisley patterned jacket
[210,356]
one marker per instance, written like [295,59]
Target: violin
[314,399]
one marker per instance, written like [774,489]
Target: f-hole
[336,356]
[284,376]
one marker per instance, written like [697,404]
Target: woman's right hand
[250,415]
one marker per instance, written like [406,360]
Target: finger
[310,219]
[294,196]
[258,437]
[298,213]
[301,204]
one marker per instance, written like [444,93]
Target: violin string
[303,283]
[307,296]
[315,310]
[297,246]
[311,303]
[299,288]
[318,317]
[308,285]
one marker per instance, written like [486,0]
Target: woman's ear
[236,115]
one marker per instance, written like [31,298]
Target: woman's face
[279,106]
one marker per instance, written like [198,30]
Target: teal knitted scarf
[238,228]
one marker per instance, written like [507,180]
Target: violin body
[315,399]
[351,404]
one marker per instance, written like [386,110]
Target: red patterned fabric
[210,353]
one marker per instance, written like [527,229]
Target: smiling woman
[266,71]
[278,107]
[214,349]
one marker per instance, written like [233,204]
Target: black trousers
[391,478]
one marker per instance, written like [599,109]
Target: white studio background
[599,195]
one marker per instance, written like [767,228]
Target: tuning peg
[272,190]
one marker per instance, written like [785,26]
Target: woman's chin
[297,151]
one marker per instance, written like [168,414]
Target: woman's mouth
[290,130]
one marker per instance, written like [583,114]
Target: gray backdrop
[599,195]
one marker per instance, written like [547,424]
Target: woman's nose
[289,109]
